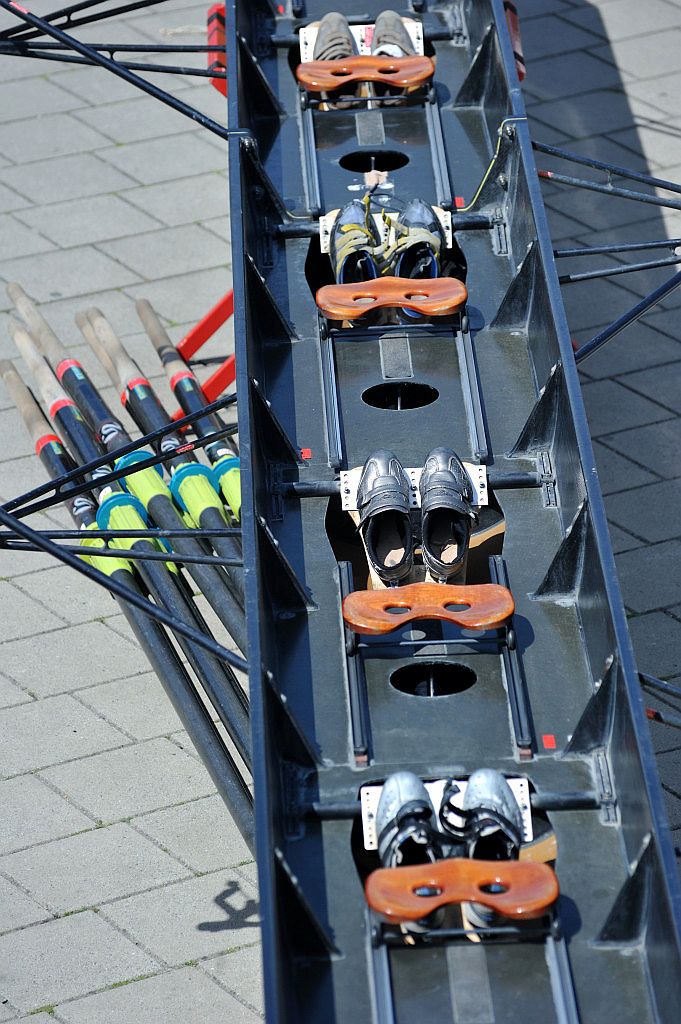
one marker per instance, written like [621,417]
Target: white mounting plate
[349,482]
[363,35]
[327,221]
[370,795]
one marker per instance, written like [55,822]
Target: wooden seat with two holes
[481,606]
[437,296]
[407,72]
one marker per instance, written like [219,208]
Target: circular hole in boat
[427,890]
[365,160]
[399,395]
[433,678]
[396,609]
[493,888]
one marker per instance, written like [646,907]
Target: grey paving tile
[571,74]
[22,616]
[84,221]
[611,407]
[657,642]
[52,730]
[621,540]
[589,303]
[46,963]
[60,314]
[187,298]
[651,512]
[91,868]
[625,19]
[10,199]
[17,909]
[637,348]
[201,833]
[647,577]
[617,473]
[656,446]
[138,778]
[95,89]
[138,705]
[64,660]
[654,50]
[67,177]
[167,252]
[605,111]
[183,201]
[186,996]
[18,441]
[34,813]
[11,694]
[659,142]
[659,91]
[241,973]
[77,599]
[18,240]
[53,135]
[662,385]
[192,919]
[32,97]
[550,35]
[163,159]
[134,119]
[220,226]
[59,274]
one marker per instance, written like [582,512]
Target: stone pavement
[125,892]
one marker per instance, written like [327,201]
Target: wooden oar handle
[400,72]
[482,606]
[437,296]
[47,341]
[515,889]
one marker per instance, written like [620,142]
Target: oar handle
[46,340]
[88,332]
[124,369]
[32,415]
[172,361]
[50,389]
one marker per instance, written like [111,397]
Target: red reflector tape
[66,364]
[306,453]
[459,202]
[180,375]
[61,403]
[549,741]
[46,439]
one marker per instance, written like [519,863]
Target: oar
[191,399]
[149,634]
[191,483]
[119,510]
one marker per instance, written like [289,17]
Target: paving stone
[548,36]
[186,298]
[663,737]
[120,312]
[46,963]
[624,19]
[77,599]
[611,407]
[222,227]
[138,705]
[648,577]
[183,201]
[16,908]
[186,996]
[168,251]
[51,136]
[11,200]
[67,177]
[658,446]
[163,159]
[645,138]
[83,221]
[657,641]
[48,731]
[662,386]
[241,973]
[21,616]
[660,91]
[643,53]
[652,512]
[571,74]
[34,813]
[67,874]
[201,833]
[94,88]
[621,540]
[11,694]
[64,659]
[637,348]
[110,786]
[590,303]
[135,119]
[617,473]
[58,274]
[192,919]
[669,763]
[605,111]
[30,98]
[18,240]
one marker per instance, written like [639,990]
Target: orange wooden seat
[437,296]
[483,606]
[520,890]
[400,72]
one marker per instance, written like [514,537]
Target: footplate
[514,889]
[439,296]
[399,72]
[483,606]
